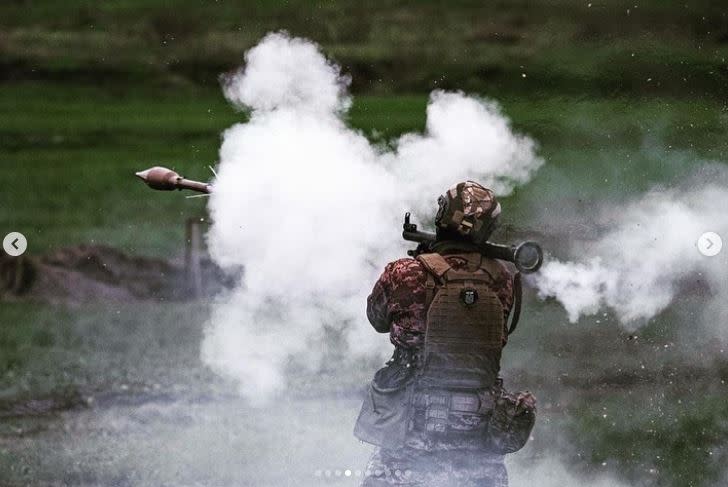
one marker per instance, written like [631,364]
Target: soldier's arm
[377,302]
[504,288]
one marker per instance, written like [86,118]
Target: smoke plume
[648,256]
[312,210]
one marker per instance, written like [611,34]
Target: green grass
[68,154]
[401,46]
[71,156]
[91,92]
[674,438]
[50,350]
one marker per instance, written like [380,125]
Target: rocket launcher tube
[527,256]
[163,179]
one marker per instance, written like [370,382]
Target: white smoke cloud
[286,72]
[465,137]
[647,258]
[312,210]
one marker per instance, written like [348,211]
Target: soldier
[437,411]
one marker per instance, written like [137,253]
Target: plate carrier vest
[447,400]
[465,324]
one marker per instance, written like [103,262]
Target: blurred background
[620,96]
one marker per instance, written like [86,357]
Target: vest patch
[468,296]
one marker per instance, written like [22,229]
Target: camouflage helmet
[467,210]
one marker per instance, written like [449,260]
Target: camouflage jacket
[397,302]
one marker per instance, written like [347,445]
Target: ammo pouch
[384,415]
[450,419]
[397,413]
[510,424]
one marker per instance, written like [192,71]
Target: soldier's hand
[525,401]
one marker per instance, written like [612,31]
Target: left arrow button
[15,244]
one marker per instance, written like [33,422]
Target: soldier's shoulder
[406,267]
[502,270]
[405,264]
[501,265]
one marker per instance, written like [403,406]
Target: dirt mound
[93,272]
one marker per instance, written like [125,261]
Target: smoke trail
[648,256]
[312,210]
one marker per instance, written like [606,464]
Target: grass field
[620,96]
[565,46]
[69,154]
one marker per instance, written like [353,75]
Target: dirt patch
[40,406]
[87,273]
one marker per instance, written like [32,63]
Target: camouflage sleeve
[377,301]
[504,290]
[398,296]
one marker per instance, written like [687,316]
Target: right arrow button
[710,244]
